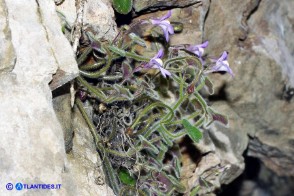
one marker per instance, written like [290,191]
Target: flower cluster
[168,29]
[220,64]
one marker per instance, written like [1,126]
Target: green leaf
[195,191]
[124,92]
[194,133]
[179,186]
[122,6]
[162,152]
[117,50]
[209,85]
[148,145]
[125,177]
[138,40]
[164,136]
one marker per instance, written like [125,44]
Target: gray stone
[7,54]
[63,53]
[272,26]
[84,168]
[41,29]
[192,18]
[63,110]
[140,5]
[98,17]
[85,164]
[221,148]
[32,145]
[260,55]
[266,182]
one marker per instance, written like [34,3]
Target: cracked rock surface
[33,52]
[264,71]
[258,35]
[7,53]
[98,17]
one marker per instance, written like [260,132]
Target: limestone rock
[272,27]
[85,164]
[140,5]
[7,54]
[257,35]
[63,110]
[84,168]
[221,149]
[32,144]
[192,18]
[98,17]
[41,30]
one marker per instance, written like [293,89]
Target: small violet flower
[222,64]
[157,63]
[198,50]
[164,24]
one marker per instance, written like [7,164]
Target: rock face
[263,66]
[98,17]
[32,150]
[85,164]
[257,35]
[272,27]
[64,113]
[192,18]
[32,146]
[7,55]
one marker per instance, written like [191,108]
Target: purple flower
[157,63]
[164,24]
[222,64]
[198,50]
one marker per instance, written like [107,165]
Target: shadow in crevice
[65,89]
[123,19]
[189,148]
[250,174]
[221,96]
